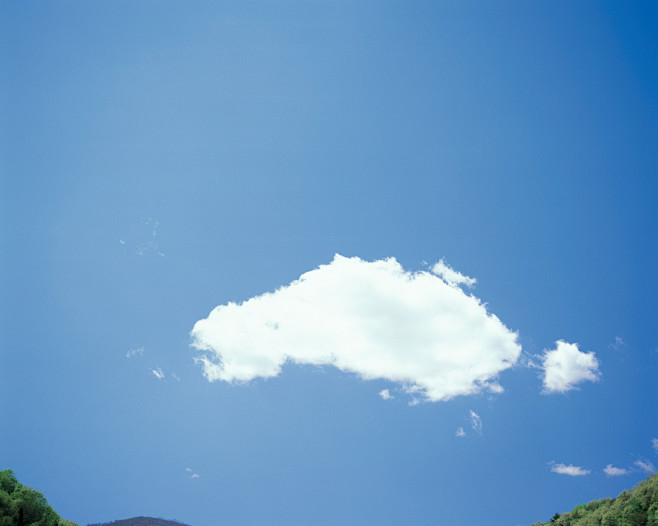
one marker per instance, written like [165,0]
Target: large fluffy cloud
[565,366]
[370,318]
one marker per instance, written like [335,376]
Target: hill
[24,506]
[141,521]
[635,507]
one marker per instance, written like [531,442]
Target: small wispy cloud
[460,432]
[193,475]
[645,466]
[612,471]
[175,376]
[451,276]
[143,240]
[531,361]
[137,351]
[654,444]
[571,470]
[385,394]
[618,344]
[159,373]
[565,366]
[476,422]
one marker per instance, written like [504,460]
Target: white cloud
[460,432]
[476,422]
[572,471]
[451,276]
[566,366]
[370,318]
[612,471]
[175,376]
[159,373]
[137,351]
[193,475]
[496,388]
[654,444]
[385,394]
[645,466]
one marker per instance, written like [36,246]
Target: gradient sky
[163,158]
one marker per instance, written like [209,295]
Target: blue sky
[162,159]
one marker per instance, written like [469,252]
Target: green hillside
[24,506]
[635,507]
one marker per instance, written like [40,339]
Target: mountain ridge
[141,521]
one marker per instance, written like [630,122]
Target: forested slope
[635,507]
[23,506]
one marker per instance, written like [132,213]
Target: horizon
[329,262]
